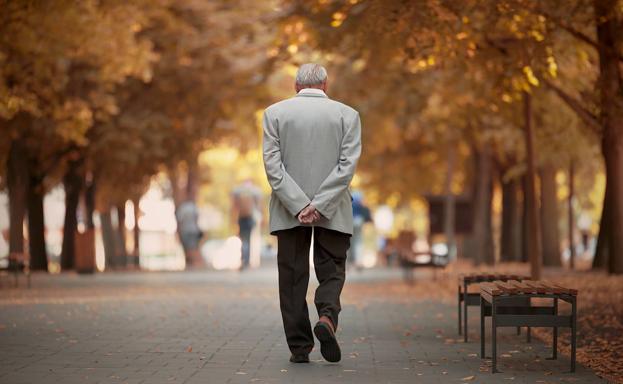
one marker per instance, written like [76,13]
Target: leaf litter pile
[600,308]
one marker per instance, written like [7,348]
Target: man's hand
[309,215]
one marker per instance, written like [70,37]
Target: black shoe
[302,358]
[329,348]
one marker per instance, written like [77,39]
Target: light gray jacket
[311,148]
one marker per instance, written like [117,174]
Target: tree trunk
[600,260]
[36,228]
[17,182]
[571,216]
[449,205]
[534,226]
[483,231]
[120,236]
[614,172]
[511,222]
[610,38]
[72,182]
[549,217]
[108,238]
[192,180]
[89,203]
[525,224]
[518,231]
[137,233]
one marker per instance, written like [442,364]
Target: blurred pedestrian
[311,148]
[246,202]
[361,216]
[584,224]
[189,232]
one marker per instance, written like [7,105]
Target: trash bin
[85,251]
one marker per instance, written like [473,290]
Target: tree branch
[51,163]
[587,116]
[572,31]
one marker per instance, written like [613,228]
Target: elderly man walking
[311,148]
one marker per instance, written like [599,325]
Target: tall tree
[549,216]
[534,225]
[609,23]
[510,242]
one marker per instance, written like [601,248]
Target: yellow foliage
[530,76]
[338,19]
[538,36]
[358,65]
[552,67]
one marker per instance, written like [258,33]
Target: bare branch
[587,116]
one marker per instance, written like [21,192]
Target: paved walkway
[224,327]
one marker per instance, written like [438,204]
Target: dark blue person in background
[361,216]
[246,201]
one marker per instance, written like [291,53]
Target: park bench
[410,259]
[472,299]
[18,263]
[499,300]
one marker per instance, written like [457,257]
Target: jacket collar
[311,92]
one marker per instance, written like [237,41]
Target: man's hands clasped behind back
[309,215]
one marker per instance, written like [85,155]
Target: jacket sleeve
[282,184]
[327,196]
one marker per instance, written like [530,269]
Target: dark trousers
[293,259]
[245,224]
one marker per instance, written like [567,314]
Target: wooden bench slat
[538,288]
[507,288]
[548,287]
[522,287]
[489,277]
[490,288]
[560,288]
[551,288]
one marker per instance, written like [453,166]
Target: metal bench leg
[460,329]
[494,363]
[528,330]
[573,331]
[482,328]
[465,311]
[555,333]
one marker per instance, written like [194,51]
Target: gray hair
[311,74]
